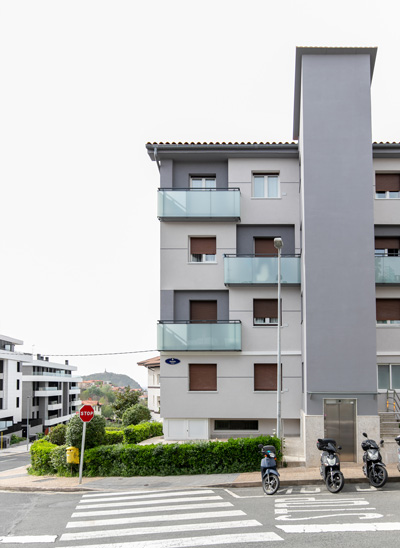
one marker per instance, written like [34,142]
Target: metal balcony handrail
[393,402]
[210,322]
[261,256]
[200,189]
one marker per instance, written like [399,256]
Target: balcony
[52,421]
[54,406]
[186,336]
[47,391]
[74,390]
[199,204]
[252,270]
[387,270]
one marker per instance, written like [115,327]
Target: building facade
[153,382]
[333,198]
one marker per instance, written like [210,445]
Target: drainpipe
[156,159]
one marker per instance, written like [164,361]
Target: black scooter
[373,467]
[330,464]
[269,473]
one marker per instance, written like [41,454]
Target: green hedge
[141,432]
[213,457]
[113,436]
[41,451]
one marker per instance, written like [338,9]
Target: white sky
[84,84]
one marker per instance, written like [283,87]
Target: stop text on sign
[86,413]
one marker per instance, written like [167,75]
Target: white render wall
[10,391]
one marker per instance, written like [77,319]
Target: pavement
[18,479]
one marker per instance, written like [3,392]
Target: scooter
[397,440]
[330,464]
[374,469]
[269,473]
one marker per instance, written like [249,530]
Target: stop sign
[86,413]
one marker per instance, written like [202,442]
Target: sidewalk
[18,479]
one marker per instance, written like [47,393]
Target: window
[1,403]
[203,250]
[387,247]
[17,402]
[202,377]
[18,367]
[235,425]
[265,312]
[387,185]
[203,182]
[389,377]
[17,384]
[1,384]
[264,247]
[388,311]
[265,376]
[203,311]
[1,366]
[265,186]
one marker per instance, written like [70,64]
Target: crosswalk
[172,519]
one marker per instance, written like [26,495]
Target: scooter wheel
[270,484]
[334,482]
[378,476]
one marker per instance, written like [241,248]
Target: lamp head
[278,243]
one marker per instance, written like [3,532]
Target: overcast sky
[84,85]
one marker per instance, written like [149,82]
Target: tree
[124,400]
[136,414]
[95,432]
[107,411]
[57,434]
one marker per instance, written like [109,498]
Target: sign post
[86,414]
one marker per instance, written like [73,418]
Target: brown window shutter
[265,308]
[203,311]
[265,376]
[202,376]
[387,243]
[203,246]
[264,246]
[387,181]
[387,309]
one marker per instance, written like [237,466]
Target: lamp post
[278,244]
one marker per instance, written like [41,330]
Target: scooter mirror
[365,435]
[382,442]
[339,447]
[260,445]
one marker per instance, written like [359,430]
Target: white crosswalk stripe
[166,514]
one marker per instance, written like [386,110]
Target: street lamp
[278,244]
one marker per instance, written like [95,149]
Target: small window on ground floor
[235,424]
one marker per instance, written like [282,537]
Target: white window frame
[388,322]
[386,195]
[204,258]
[265,321]
[203,182]
[390,365]
[266,193]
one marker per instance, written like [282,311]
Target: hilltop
[114,378]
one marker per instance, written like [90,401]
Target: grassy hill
[115,378]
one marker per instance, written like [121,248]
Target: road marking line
[156,530]
[164,517]
[192,541]
[153,509]
[132,496]
[340,527]
[327,510]
[28,539]
[365,516]
[144,502]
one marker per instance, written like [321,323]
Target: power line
[99,354]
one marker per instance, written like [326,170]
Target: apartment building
[333,197]
[52,391]
[153,383]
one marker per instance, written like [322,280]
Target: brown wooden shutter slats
[203,311]
[387,309]
[387,182]
[265,308]
[387,243]
[203,246]
[264,246]
[265,376]
[202,376]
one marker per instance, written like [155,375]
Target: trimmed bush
[113,437]
[136,414]
[211,457]
[57,434]
[141,432]
[41,451]
[95,431]
[59,461]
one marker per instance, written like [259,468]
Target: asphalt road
[236,518]
[7,462]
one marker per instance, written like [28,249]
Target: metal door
[340,424]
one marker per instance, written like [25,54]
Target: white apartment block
[153,381]
[333,197]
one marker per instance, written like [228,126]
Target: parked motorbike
[374,469]
[330,464]
[397,440]
[269,473]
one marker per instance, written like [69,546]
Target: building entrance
[340,424]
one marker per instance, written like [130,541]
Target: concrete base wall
[312,428]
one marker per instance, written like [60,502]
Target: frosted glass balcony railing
[198,204]
[187,336]
[252,270]
[387,270]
